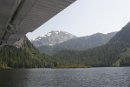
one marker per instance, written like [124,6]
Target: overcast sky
[86,17]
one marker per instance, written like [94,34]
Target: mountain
[52,38]
[79,43]
[83,43]
[113,53]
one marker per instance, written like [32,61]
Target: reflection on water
[89,77]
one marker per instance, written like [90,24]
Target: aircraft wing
[17,17]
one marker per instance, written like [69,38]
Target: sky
[86,17]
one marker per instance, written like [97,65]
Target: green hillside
[26,57]
[114,53]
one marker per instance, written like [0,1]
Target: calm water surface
[81,77]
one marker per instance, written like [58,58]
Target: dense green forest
[25,57]
[115,53]
[104,56]
[29,57]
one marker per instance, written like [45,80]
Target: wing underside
[17,17]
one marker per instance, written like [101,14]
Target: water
[80,77]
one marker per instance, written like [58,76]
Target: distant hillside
[114,53]
[80,43]
[83,43]
[52,38]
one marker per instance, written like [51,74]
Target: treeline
[26,57]
[103,56]
[114,53]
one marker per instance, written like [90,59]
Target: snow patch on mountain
[52,38]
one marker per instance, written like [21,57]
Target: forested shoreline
[115,53]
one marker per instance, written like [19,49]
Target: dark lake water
[80,77]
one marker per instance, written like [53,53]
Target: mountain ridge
[113,53]
[79,43]
[52,38]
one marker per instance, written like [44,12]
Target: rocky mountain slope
[52,38]
[83,43]
[79,43]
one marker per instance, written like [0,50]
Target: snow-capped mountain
[79,43]
[52,38]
